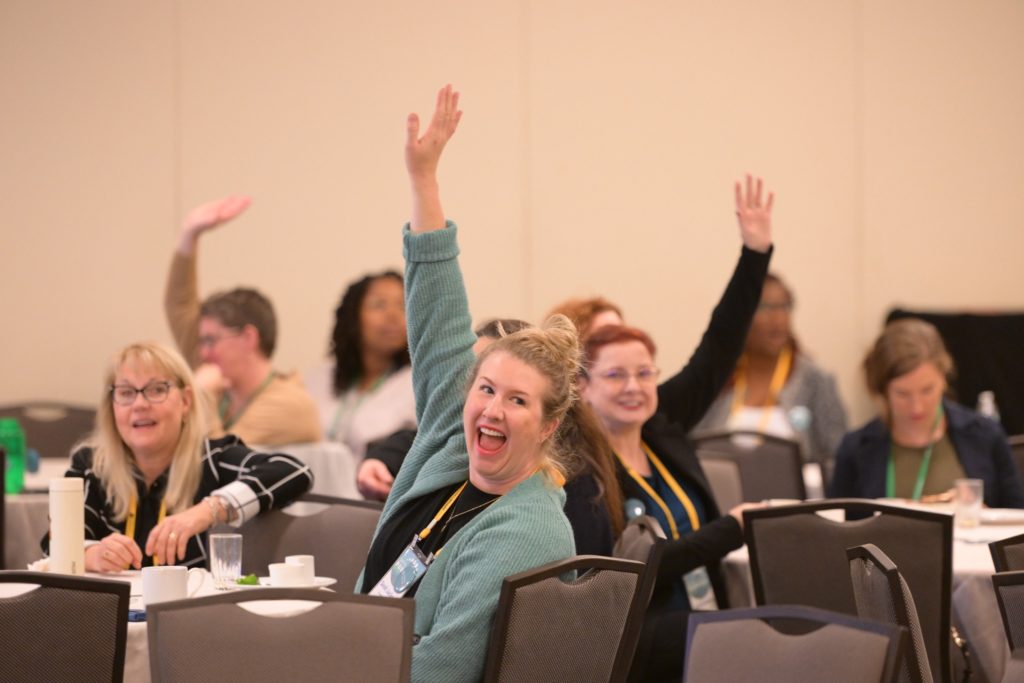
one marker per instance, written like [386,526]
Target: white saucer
[318,582]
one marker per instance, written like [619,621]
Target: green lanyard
[922,471]
[225,403]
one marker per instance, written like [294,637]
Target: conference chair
[346,637]
[798,556]
[744,645]
[52,427]
[1008,554]
[883,595]
[66,628]
[1009,587]
[338,535]
[548,628]
[769,466]
[1017,451]
[723,475]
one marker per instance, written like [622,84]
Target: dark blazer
[980,444]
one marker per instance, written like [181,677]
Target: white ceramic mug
[308,567]
[285,575]
[160,584]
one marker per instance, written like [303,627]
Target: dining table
[975,612]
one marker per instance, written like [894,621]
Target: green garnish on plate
[248,580]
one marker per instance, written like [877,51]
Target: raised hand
[422,152]
[209,216]
[754,215]
[373,480]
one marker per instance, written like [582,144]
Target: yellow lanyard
[779,375]
[440,513]
[129,523]
[691,511]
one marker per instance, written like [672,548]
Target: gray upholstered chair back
[69,628]
[769,466]
[1008,554]
[1017,451]
[743,645]
[347,637]
[882,595]
[1009,587]
[338,535]
[723,475]
[550,628]
[799,557]
[52,427]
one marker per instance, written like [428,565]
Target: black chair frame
[862,508]
[121,589]
[897,634]
[633,623]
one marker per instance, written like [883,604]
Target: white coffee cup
[160,584]
[307,564]
[285,575]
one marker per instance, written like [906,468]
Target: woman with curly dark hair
[365,394]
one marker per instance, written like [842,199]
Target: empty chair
[584,629]
[1008,554]
[799,557]
[338,536]
[1017,451]
[769,466]
[1009,587]
[723,475]
[69,628]
[347,637]
[882,595]
[743,645]
[51,427]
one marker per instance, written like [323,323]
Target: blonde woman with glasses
[154,484]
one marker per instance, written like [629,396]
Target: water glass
[969,494]
[226,560]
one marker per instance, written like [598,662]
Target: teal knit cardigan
[525,528]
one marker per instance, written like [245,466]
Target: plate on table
[318,582]
[1002,516]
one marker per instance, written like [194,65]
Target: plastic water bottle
[12,439]
[987,405]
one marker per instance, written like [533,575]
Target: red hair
[614,334]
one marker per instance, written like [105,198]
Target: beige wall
[597,152]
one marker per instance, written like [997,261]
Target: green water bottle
[12,439]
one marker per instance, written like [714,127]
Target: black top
[270,480]
[412,518]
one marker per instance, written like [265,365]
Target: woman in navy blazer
[922,441]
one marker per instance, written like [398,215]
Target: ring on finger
[173,535]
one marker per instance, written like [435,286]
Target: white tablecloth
[975,611]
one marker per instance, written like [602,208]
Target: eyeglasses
[212,340]
[154,392]
[647,374]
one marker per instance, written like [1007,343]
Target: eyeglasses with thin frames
[154,392]
[212,340]
[619,377]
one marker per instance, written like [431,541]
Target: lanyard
[922,471]
[440,513]
[225,403]
[691,512]
[129,522]
[779,376]
[343,409]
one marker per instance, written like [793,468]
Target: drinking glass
[226,560]
[967,502]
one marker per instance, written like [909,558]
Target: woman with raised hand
[479,496]
[647,427]
[154,484]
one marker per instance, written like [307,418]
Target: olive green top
[944,468]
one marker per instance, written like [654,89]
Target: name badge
[409,568]
[700,591]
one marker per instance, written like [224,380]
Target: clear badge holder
[700,591]
[409,568]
